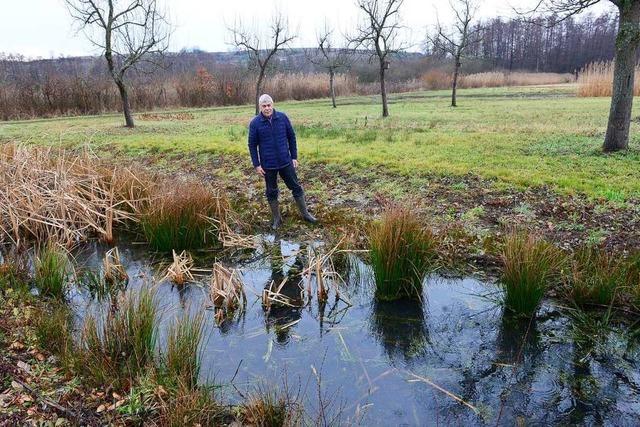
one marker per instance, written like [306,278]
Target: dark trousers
[288,175]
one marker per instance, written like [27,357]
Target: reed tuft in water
[596,277]
[179,272]
[183,215]
[270,407]
[52,271]
[530,265]
[401,252]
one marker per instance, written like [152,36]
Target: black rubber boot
[276,218]
[302,207]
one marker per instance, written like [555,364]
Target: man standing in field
[273,149]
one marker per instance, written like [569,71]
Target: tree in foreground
[456,41]
[261,49]
[378,32]
[129,33]
[627,43]
[329,57]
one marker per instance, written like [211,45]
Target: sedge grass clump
[183,215]
[596,277]
[51,271]
[182,358]
[54,332]
[402,252]
[120,346]
[530,265]
[270,407]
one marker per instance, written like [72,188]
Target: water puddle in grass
[452,358]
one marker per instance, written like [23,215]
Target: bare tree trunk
[627,41]
[383,92]
[126,107]
[331,87]
[258,88]
[455,82]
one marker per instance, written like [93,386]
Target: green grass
[182,357]
[118,348]
[519,136]
[530,266]
[51,271]
[401,253]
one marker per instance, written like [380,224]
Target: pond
[452,358]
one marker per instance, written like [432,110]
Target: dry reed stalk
[179,272]
[53,194]
[321,266]
[596,80]
[498,79]
[226,291]
[114,271]
[276,297]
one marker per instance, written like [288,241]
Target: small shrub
[182,359]
[118,348]
[530,266]
[595,277]
[51,271]
[183,215]
[401,252]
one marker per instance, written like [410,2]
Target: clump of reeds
[67,196]
[183,215]
[183,406]
[179,272]
[52,270]
[530,265]
[401,253]
[54,328]
[181,365]
[116,349]
[270,407]
[596,277]
[226,290]
[596,79]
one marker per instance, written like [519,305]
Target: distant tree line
[66,86]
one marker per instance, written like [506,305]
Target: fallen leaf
[24,366]
[16,385]
[101,408]
[41,357]
[16,345]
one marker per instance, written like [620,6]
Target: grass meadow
[519,136]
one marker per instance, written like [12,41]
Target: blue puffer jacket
[272,143]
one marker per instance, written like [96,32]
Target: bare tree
[329,57]
[627,43]
[261,49]
[378,33]
[129,33]
[459,39]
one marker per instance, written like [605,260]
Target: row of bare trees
[135,32]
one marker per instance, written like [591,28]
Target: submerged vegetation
[401,252]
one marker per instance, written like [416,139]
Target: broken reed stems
[179,272]
[321,266]
[112,268]
[226,291]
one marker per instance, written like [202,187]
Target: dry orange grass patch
[596,79]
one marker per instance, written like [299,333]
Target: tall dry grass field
[498,79]
[596,79]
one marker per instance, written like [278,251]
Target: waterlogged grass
[401,253]
[520,136]
[182,358]
[51,271]
[530,266]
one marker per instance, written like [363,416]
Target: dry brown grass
[66,196]
[498,79]
[114,271]
[596,79]
[321,270]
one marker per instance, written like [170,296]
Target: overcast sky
[43,28]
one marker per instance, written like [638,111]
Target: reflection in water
[282,318]
[401,328]
[516,336]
